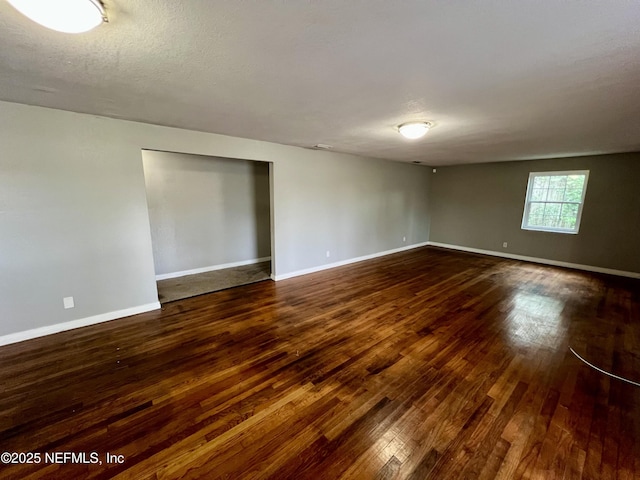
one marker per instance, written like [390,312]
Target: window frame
[528,202]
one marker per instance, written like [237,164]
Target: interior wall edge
[73,324]
[346,262]
[211,268]
[544,261]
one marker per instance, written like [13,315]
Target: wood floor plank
[424,364]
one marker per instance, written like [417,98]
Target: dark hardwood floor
[424,364]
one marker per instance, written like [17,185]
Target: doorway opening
[210,221]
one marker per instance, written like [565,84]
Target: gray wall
[480,206]
[206,211]
[350,208]
[74,218]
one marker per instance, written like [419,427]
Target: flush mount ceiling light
[414,129]
[68,16]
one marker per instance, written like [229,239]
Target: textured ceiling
[500,79]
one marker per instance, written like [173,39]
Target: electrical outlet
[328,253]
[505,244]
[404,239]
[68,302]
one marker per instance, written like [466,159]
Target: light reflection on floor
[535,320]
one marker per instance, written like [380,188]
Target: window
[554,201]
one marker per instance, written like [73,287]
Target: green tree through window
[554,201]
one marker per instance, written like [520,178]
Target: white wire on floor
[602,371]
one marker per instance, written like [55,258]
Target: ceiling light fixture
[414,130]
[68,16]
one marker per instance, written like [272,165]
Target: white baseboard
[545,261]
[166,276]
[81,322]
[327,266]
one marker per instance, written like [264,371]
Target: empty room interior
[319,240]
